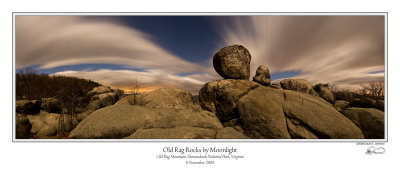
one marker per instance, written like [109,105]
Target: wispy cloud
[336,49]
[52,41]
[345,50]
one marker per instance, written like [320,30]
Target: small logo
[372,150]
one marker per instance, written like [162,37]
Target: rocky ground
[231,108]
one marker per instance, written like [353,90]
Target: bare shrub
[373,89]
[136,99]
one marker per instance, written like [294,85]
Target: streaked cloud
[345,50]
[52,41]
[323,48]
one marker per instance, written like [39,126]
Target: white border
[385,14]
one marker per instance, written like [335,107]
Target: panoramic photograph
[133,77]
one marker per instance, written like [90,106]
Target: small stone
[262,76]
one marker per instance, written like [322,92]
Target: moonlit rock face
[298,85]
[262,75]
[233,62]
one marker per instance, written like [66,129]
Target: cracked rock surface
[221,96]
[121,120]
[273,113]
[371,121]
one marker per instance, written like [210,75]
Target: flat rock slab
[120,120]
[182,132]
[229,133]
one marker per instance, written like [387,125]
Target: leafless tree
[373,89]
[333,87]
[67,92]
[134,88]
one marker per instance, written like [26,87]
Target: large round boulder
[273,113]
[262,76]
[233,62]
[324,93]
[371,121]
[122,120]
[298,85]
[221,96]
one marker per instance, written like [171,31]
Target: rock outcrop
[298,85]
[100,90]
[229,133]
[324,93]
[46,124]
[103,96]
[379,104]
[221,96]
[163,98]
[94,105]
[371,121]
[122,120]
[22,127]
[341,104]
[29,107]
[232,108]
[233,62]
[262,76]
[271,113]
[345,95]
[51,105]
[276,86]
[180,132]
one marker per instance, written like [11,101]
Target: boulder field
[230,108]
[269,113]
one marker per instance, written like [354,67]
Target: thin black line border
[386,74]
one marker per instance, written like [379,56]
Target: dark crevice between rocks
[256,86]
[287,125]
[296,135]
[242,95]
[235,113]
[298,122]
[215,135]
[284,97]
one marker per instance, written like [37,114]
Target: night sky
[176,51]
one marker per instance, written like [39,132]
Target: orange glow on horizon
[127,90]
